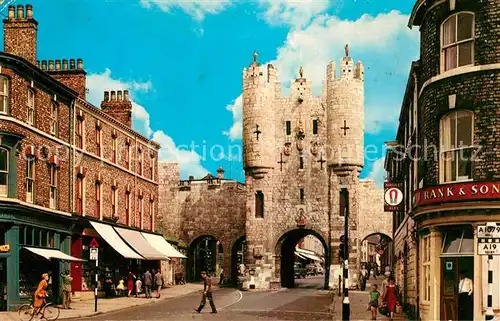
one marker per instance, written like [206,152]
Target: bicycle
[47,311]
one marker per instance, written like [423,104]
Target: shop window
[54,124]
[79,194]
[98,203]
[31,107]
[315,127]
[44,242]
[4,172]
[22,234]
[36,237]
[98,139]
[113,147]
[426,268]
[458,241]
[79,133]
[259,204]
[53,187]
[457,137]
[457,41]
[4,95]
[29,235]
[288,127]
[50,239]
[30,179]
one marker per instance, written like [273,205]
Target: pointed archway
[204,255]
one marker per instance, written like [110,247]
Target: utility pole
[346,308]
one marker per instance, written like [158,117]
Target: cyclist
[40,292]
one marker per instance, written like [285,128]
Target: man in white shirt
[465,298]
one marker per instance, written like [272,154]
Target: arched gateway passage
[286,247]
[377,251]
[205,254]
[237,258]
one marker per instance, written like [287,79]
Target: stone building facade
[447,157]
[64,165]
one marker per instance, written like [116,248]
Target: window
[98,203]
[53,119]
[140,162]
[315,127]
[127,207]
[426,267]
[301,164]
[113,146]
[114,201]
[53,187]
[344,201]
[288,127]
[457,41]
[152,215]
[259,204]
[141,212]
[4,172]
[4,95]
[79,195]
[302,194]
[458,241]
[127,157]
[79,133]
[457,130]
[151,168]
[30,180]
[98,139]
[31,107]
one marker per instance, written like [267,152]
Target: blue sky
[182,62]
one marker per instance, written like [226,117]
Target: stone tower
[300,151]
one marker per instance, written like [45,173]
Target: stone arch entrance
[238,253]
[285,248]
[377,248]
[205,254]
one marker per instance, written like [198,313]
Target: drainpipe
[417,245]
[328,256]
[71,150]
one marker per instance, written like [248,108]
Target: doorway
[450,280]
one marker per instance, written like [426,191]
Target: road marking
[240,294]
[281,311]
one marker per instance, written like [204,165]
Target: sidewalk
[82,309]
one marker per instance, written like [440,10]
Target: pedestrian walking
[391,297]
[130,282]
[66,289]
[207,293]
[138,286]
[148,283]
[363,276]
[374,301]
[158,283]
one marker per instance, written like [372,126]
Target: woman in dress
[130,282]
[40,292]
[391,297]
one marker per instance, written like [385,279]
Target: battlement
[61,65]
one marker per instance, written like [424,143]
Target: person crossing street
[207,293]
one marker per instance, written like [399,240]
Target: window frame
[53,193]
[141,161]
[114,201]
[288,127]
[129,153]
[6,171]
[426,269]
[30,179]
[114,150]
[54,116]
[457,43]
[80,195]
[127,207]
[141,212]
[79,133]
[98,200]
[98,138]
[315,127]
[259,200]
[151,215]
[30,107]
[5,95]
[444,122]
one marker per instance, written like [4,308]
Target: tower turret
[345,114]
[258,119]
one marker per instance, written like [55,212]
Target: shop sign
[5,248]
[94,253]
[472,191]
[393,197]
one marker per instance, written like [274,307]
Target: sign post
[94,255]
[393,197]
[488,237]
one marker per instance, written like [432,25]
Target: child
[373,305]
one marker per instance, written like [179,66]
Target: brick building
[69,172]
[446,154]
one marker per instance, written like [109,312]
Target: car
[299,271]
[312,269]
[319,269]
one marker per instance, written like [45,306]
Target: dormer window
[457,41]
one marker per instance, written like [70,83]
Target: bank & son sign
[471,191]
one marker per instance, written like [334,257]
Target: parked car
[299,271]
[312,269]
[320,269]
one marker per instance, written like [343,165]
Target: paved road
[301,303]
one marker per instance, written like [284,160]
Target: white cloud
[236,130]
[292,12]
[189,161]
[378,172]
[384,44]
[196,9]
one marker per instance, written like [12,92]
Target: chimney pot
[58,64]
[12,12]
[44,64]
[106,96]
[79,63]
[113,95]
[29,11]
[65,64]
[38,63]
[191,178]
[20,12]
[72,64]
[125,95]
[51,65]
[119,94]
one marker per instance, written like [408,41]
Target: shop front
[452,272]
[33,242]
[121,250]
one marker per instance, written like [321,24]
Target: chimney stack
[191,178]
[20,33]
[119,106]
[73,77]
[220,173]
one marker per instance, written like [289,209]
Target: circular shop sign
[393,196]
